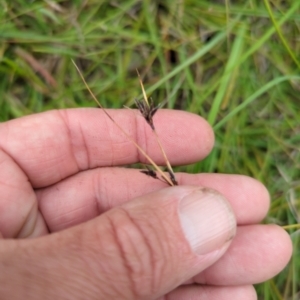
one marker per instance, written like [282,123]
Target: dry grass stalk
[36,66]
[155,166]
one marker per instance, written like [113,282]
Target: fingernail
[207,220]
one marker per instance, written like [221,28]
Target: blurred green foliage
[236,63]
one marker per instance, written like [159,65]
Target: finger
[88,194]
[257,253]
[142,249]
[202,292]
[56,144]
[19,215]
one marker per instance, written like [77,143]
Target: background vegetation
[233,62]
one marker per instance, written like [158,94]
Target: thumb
[140,250]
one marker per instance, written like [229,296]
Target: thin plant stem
[143,90]
[169,167]
[168,180]
[291,226]
[148,110]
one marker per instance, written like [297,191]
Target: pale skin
[61,168]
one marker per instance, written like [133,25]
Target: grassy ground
[233,62]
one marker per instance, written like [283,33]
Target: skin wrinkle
[59,170]
[9,185]
[135,286]
[145,277]
[22,184]
[158,265]
[13,160]
[168,246]
[70,212]
[40,196]
[63,115]
[102,192]
[107,130]
[151,252]
[88,162]
[155,263]
[85,259]
[73,262]
[98,190]
[121,250]
[127,190]
[26,218]
[158,262]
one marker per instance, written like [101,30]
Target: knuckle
[140,250]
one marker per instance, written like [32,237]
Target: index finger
[56,144]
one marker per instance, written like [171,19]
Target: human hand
[132,239]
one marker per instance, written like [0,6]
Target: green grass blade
[254,96]
[231,65]
[189,61]
[279,32]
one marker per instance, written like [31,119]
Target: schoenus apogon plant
[147,109]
